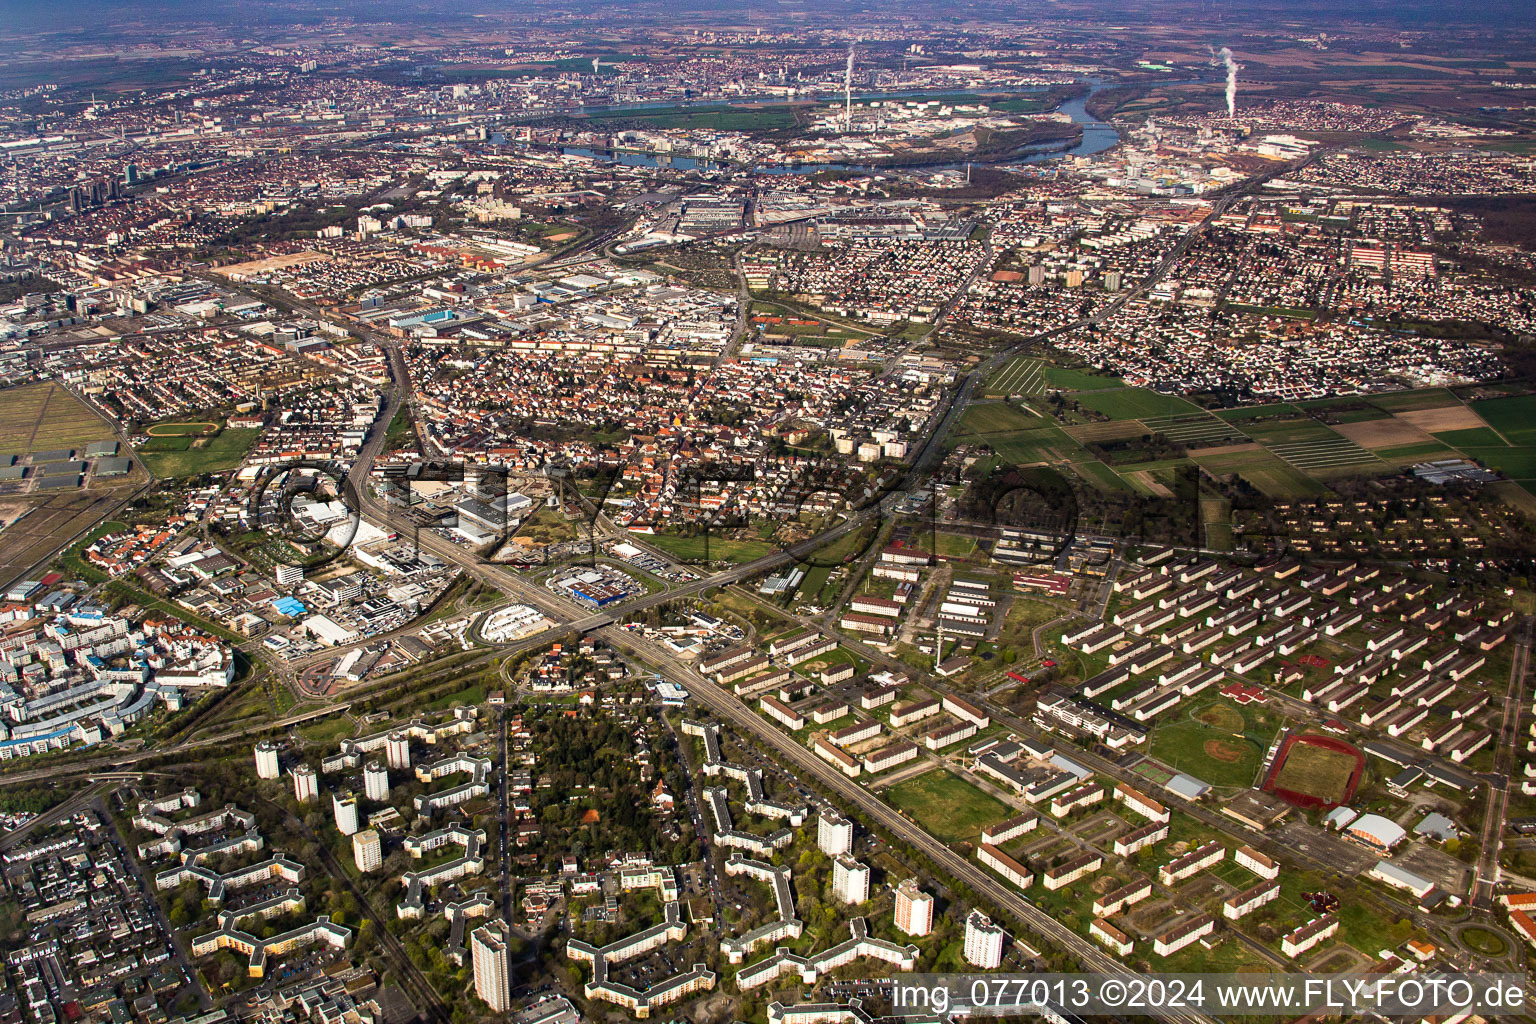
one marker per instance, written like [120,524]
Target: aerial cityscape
[788,514]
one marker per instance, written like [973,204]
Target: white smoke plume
[848,90]
[1233,67]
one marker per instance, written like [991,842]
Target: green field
[996,418]
[1476,437]
[1044,443]
[1248,413]
[1062,379]
[1483,941]
[1288,431]
[1426,398]
[949,807]
[1515,418]
[1515,463]
[1409,453]
[546,526]
[1134,403]
[1100,476]
[218,453]
[833,658]
[1270,474]
[954,545]
[328,730]
[709,547]
[1209,753]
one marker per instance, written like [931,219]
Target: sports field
[193,428]
[1315,771]
[1209,745]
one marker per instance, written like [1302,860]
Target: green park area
[946,805]
[187,449]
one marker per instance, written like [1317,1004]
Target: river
[1096,138]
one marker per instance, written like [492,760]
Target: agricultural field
[996,418]
[1425,398]
[1043,442]
[39,417]
[33,529]
[1513,418]
[1156,478]
[1100,476]
[1134,403]
[1267,472]
[1408,454]
[1288,431]
[948,806]
[1251,413]
[1062,379]
[1519,464]
[1474,437]
[1022,376]
[1027,375]
[1325,455]
[1195,430]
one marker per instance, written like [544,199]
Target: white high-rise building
[288,575]
[914,909]
[834,835]
[488,944]
[397,751]
[375,781]
[345,806]
[306,784]
[850,880]
[266,760]
[983,941]
[367,850]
